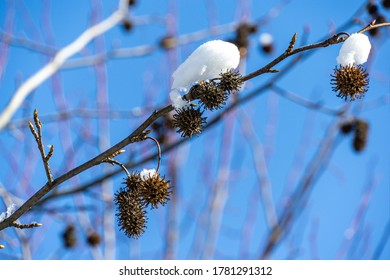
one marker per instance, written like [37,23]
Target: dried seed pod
[69,237]
[230,81]
[386,4]
[347,127]
[189,121]
[133,182]
[211,95]
[372,8]
[130,213]
[350,81]
[361,133]
[127,25]
[155,190]
[93,239]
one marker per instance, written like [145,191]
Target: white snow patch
[147,173]
[10,210]
[206,62]
[177,101]
[355,50]
[266,39]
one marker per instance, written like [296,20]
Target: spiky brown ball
[133,182]
[350,81]
[189,121]
[361,133]
[230,81]
[155,191]
[211,96]
[130,213]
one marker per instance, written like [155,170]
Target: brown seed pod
[69,237]
[211,96]
[350,81]
[230,81]
[130,213]
[189,121]
[361,134]
[93,239]
[155,191]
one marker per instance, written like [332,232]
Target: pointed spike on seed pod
[292,43]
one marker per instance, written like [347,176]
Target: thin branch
[136,136]
[52,67]
[372,25]
[113,161]
[158,151]
[23,226]
[38,138]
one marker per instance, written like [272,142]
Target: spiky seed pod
[93,239]
[133,182]
[386,4]
[189,121]
[155,190]
[127,25]
[69,237]
[347,127]
[230,81]
[372,8]
[350,81]
[211,96]
[361,133]
[130,213]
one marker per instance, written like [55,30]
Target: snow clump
[355,50]
[208,61]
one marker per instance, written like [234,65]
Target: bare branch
[38,138]
[52,67]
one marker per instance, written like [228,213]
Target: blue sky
[351,192]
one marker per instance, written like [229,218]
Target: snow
[206,62]
[177,100]
[266,39]
[147,173]
[355,50]
[10,210]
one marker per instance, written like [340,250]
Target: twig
[136,136]
[49,69]
[23,226]
[372,25]
[158,151]
[302,192]
[113,161]
[38,137]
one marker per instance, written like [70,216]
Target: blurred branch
[318,106]
[52,67]
[27,44]
[297,200]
